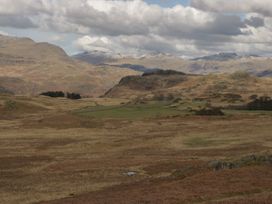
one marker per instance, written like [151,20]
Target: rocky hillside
[27,67]
[170,84]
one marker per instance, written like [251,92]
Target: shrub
[261,103]
[253,97]
[212,111]
[10,105]
[73,96]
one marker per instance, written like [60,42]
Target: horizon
[154,53]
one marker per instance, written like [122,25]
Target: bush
[10,105]
[54,94]
[253,97]
[261,103]
[73,96]
[210,111]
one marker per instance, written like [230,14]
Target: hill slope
[163,85]
[35,67]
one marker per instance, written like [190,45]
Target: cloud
[95,43]
[135,26]
[16,21]
[263,7]
[255,21]
[113,17]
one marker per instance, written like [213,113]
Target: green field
[141,111]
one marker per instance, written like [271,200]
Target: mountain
[219,57]
[217,63]
[220,63]
[27,67]
[166,84]
[96,57]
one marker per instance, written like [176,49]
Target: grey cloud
[134,17]
[132,26]
[226,25]
[255,21]
[16,21]
[263,7]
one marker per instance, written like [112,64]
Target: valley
[135,102]
[130,131]
[107,150]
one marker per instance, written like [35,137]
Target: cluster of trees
[261,103]
[74,96]
[56,94]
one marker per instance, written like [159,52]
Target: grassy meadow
[59,151]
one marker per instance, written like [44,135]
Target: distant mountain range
[96,57]
[219,57]
[217,63]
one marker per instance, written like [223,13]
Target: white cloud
[94,43]
[137,27]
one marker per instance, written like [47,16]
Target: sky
[137,27]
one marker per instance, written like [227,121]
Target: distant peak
[222,56]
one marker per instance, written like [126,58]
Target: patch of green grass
[129,111]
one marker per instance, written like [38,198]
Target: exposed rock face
[261,159]
[148,82]
[152,81]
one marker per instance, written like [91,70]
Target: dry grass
[52,155]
